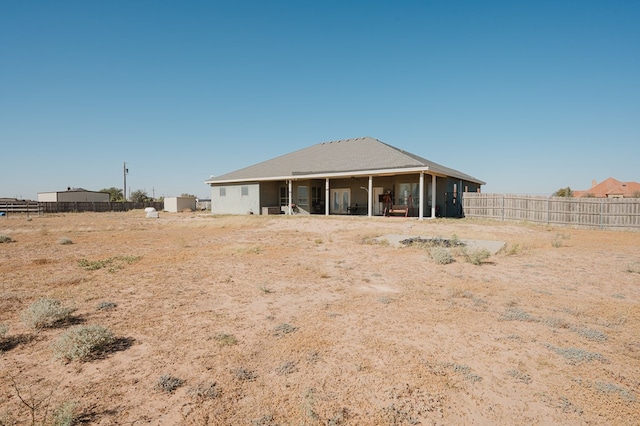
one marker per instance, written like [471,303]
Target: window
[316,195]
[303,196]
[245,191]
[408,189]
[223,191]
[283,196]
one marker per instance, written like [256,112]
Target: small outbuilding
[179,204]
[73,195]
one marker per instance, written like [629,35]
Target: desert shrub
[556,322]
[44,313]
[477,256]
[82,343]
[225,339]
[169,383]
[287,368]
[283,329]
[65,414]
[514,249]
[244,374]
[113,263]
[3,330]
[558,240]
[205,391]
[5,239]
[520,376]
[65,241]
[517,314]
[576,355]
[613,388]
[441,256]
[634,267]
[591,334]
[384,300]
[105,306]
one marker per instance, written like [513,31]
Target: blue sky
[528,96]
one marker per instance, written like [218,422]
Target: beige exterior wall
[72,196]
[178,204]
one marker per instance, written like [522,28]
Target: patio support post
[370,197]
[433,196]
[326,197]
[421,192]
[290,196]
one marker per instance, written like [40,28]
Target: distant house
[611,188]
[72,195]
[349,176]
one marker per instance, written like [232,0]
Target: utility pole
[124,172]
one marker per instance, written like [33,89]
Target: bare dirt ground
[273,320]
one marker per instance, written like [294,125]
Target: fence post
[602,213]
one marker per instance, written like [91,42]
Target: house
[73,195]
[611,188]
[348,176]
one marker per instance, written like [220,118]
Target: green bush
[44,313]
[441,256]
[5,239]
[476,257]
[65,241]
[3,330]
[82,343]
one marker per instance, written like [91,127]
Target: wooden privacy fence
[73,206]
[19,207]
[591,212]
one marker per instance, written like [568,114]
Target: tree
[139,196]
[115,194]
[563,192]
[184,194]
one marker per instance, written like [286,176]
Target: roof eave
[377,172]
[328,175]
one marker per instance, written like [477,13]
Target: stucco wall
[229,199]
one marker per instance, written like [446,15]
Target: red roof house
[611,188]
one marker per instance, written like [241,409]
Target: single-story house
[73,195]
[611,188]
[351,176]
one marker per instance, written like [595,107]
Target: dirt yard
[274,320]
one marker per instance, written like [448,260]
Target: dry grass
[310,320]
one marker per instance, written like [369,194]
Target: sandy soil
[311,321]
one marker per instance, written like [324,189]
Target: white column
[327,200]
[370,196]
[421,192]
[290,196]
[433,196]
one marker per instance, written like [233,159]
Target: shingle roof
[343,156]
